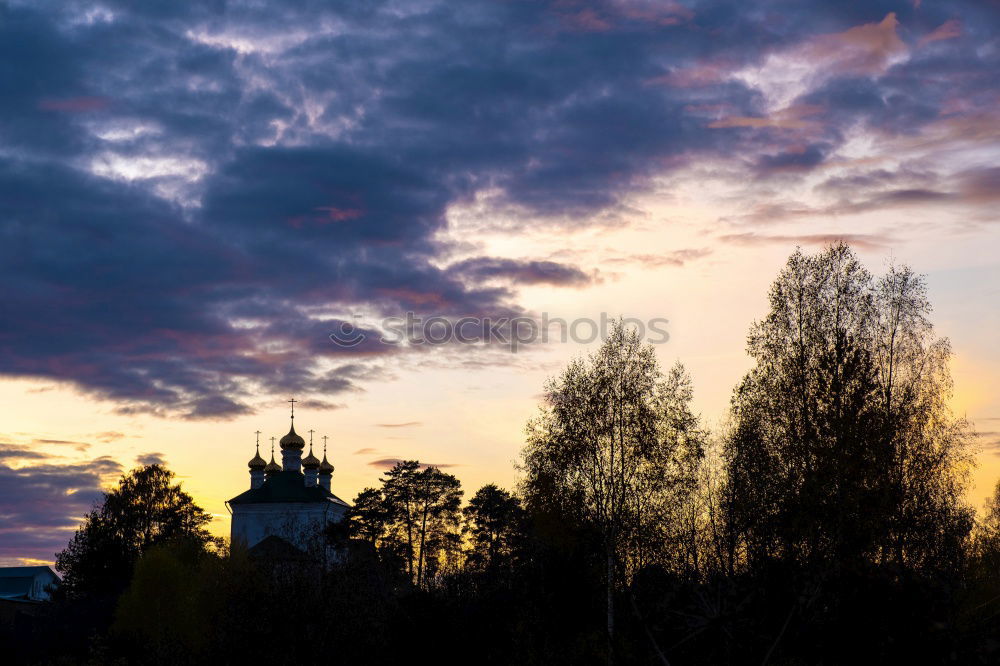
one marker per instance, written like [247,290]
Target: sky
[194,197]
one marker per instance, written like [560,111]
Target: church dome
[325,467]
[257,462]
[272,466]
[292,441]
[310,461]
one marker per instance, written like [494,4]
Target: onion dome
[272,466]
[292,440]
[310,461]
[325,467]
[257,462]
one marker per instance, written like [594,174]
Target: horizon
[193,203]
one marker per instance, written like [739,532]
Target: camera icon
[347,335]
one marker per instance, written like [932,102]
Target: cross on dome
[257,463]
[272,466]
[325,468]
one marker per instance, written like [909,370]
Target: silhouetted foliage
[823,524]
[495,526]
[845,471]
[413,519]
[144,510]
[616,447]
[843,452]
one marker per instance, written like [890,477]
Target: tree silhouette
[495,525]
[843,451]
[438,498]
[823,523]
[614,447]
[143,510]
[367,518]
[414,517]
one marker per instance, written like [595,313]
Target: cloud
[190,201]
[862,50]
[406,424]
[990,441]
[364,451]
[74,104]
[793,117]
[980,185]
[947,30]
[109,436]
[61,442]
[863,193]
[42,503]
[151,459]
[696,75]
[672,258]
[389,463]
[796,159]
[79,446]
[19,452]
[527,272]
[319,405]
[864,241]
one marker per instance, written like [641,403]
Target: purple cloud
[42,502]
[187,197]
[153,458]
[389,463]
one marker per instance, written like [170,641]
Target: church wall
[301,524]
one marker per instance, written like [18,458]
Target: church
[289,508]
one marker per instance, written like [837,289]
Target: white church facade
[289,504]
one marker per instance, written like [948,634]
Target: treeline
[823,523]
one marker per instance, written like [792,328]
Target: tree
[414,515]
[170,600]
[987,541]
[367,517]
[929,448]
[145,509]
[438,498]
[672,528]
[615,446]
[843,451]
[495,522]
[981,605]
[400,510]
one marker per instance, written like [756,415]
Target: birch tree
[616,446]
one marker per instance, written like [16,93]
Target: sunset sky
[193,198]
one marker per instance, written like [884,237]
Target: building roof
[19,572]
[18,583]
[286,486]
[274,548]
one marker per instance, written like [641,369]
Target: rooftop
[18,572]
[286,486]
[21,583]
